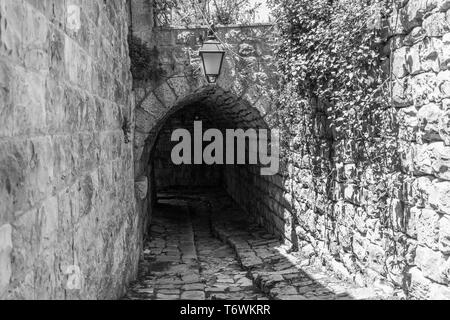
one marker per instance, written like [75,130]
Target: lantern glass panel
[212,62]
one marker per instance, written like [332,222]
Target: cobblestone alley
[193,254]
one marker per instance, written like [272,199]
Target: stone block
[12,15]
[416,35]
[439,292]
[433,159]
[6,106]
[411,216]
[419,287]
[412,14]
[429,117]
[412,60]
[165,94]
[145,122]
[444,235]
[443,84]
[439,196]
[180,86]
[35,40]
[436,24]
[444,127]
[441,5]
[400,95]
[428,228]
[29,102]
[26,249]
[141,187]
[6,248]
[432,264]
[48,222]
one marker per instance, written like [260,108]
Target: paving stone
[246,263]
[169,291]
[167,297]
[194,287]
[245,283]
[193,295]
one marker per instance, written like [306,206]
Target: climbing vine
[333,51]
[189,13]
[144,61]
[334,61]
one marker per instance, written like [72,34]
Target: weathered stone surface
[165,94]
[444,235]
[439,292]
[429,117]
[436,24]
[420,285]
[145,121]
[6,247]
[444,127]
[65,171]
[180,86]
[434,159]
[141,186]
[212,274]
[428,228]
[432,264]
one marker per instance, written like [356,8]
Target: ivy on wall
[333,53]
[334,61]
[144,61]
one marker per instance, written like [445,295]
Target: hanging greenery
[144,61]
[201,12]
[334,60]
[333,52]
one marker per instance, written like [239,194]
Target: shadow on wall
[273,270]
[243,182]
[216,108]
[170,175]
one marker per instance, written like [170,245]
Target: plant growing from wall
[188,13]
[144,61]
[335,70]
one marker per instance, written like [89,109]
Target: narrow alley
[195,254]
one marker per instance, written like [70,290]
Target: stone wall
[260,196]
[240,98]
[67,200]
[421,64]
[325,205]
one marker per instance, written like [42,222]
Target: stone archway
[227,109]
[247,76]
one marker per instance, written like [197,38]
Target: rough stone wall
[332,218]
[240,96]
[66,175]
[260,196]
[421,64]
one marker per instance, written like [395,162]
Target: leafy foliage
[233,11]
[144,61]
[335,70]
[219,12]
[332,52]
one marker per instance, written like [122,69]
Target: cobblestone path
[183,260]
[204,247]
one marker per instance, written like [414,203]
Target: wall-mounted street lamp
[212,54]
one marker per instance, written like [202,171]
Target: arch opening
[208,108]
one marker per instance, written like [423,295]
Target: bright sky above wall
[263,13]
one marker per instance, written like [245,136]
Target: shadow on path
[203,246]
